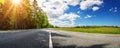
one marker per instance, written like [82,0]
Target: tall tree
[40,17]
[25,15]
[22,15]
[36,16]
[19,15]
[7,10]
[1,16]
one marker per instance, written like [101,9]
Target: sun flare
[16,2]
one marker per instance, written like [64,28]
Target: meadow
[103,30]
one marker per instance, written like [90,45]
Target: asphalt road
[24,39]
[40,38]
[66,39]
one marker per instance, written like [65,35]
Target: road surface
[40,38]
[25,39]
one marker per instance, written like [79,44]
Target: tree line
[96,26]
[22,16]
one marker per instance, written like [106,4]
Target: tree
[40,17]
[6,9]
[1,15]
[22,15]
[25,15]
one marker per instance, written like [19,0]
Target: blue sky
[103,16]
[67,13]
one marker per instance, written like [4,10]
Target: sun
[16,2]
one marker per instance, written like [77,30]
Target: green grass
[103,30]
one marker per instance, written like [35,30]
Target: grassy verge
[103,30]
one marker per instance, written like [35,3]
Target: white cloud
[71,17]
[113,9]
[95,8]
[72,2]
[88,3]
[65,20]
[61,23]
[59,5]
[55,10]
[88,16]
[79,12]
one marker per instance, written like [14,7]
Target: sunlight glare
[16,2]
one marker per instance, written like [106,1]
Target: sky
[70,13]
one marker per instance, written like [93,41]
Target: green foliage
[21,17]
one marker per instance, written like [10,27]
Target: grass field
[103,30]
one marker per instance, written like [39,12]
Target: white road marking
[50,40]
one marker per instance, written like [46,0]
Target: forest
[22,15]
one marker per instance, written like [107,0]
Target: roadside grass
[103,30]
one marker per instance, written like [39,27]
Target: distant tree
[40,17]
